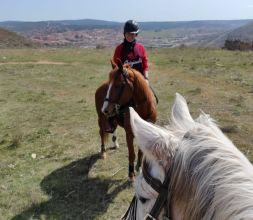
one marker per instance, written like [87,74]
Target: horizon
[141,11]
[79,19]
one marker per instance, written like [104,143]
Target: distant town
[89,33]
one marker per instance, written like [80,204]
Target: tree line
[238,45]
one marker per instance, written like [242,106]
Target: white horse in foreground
[207,176]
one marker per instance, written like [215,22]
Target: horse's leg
[130,145]
[131,154]
[139,159]
[114,140]
[103,136]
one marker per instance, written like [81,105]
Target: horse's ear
[119,64]
[114,65]
[180,115]
[155,142]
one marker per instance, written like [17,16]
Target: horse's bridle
[163,196]
[161,189]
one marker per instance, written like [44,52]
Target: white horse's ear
[152,140]
[180,116]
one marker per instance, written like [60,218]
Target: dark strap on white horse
[131,211]
[161,189]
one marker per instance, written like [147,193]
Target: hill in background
[58,26]
[9,39]
[244,33]
[98,33]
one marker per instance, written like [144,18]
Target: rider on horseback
[132,52]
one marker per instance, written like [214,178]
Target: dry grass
[47,109]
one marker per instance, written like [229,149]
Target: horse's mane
[140,85]
[211,176]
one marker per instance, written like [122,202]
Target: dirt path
[36,62]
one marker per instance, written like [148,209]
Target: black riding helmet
[131,26]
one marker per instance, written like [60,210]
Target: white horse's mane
[210,177]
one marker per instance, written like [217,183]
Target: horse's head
[120,91]
[190,170]
[159,146]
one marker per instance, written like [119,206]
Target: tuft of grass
[230,129]
[15,141]
[195,91]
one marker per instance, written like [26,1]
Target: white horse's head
[158,145]
[209,177]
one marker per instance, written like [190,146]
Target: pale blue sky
[118,10]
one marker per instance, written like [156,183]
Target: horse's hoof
[115,147]
[103,155]
[131,177]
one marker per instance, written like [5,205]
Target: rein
[124,74]
[163,198]
[121,109]
[161,189]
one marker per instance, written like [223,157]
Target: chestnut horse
[125,88]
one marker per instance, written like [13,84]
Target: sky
[120,10]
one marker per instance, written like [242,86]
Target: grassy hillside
[244,33]
[10,39]
[58,26]
[49,142]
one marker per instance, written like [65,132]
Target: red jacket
[134,54]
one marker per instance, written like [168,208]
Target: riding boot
[156,98]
